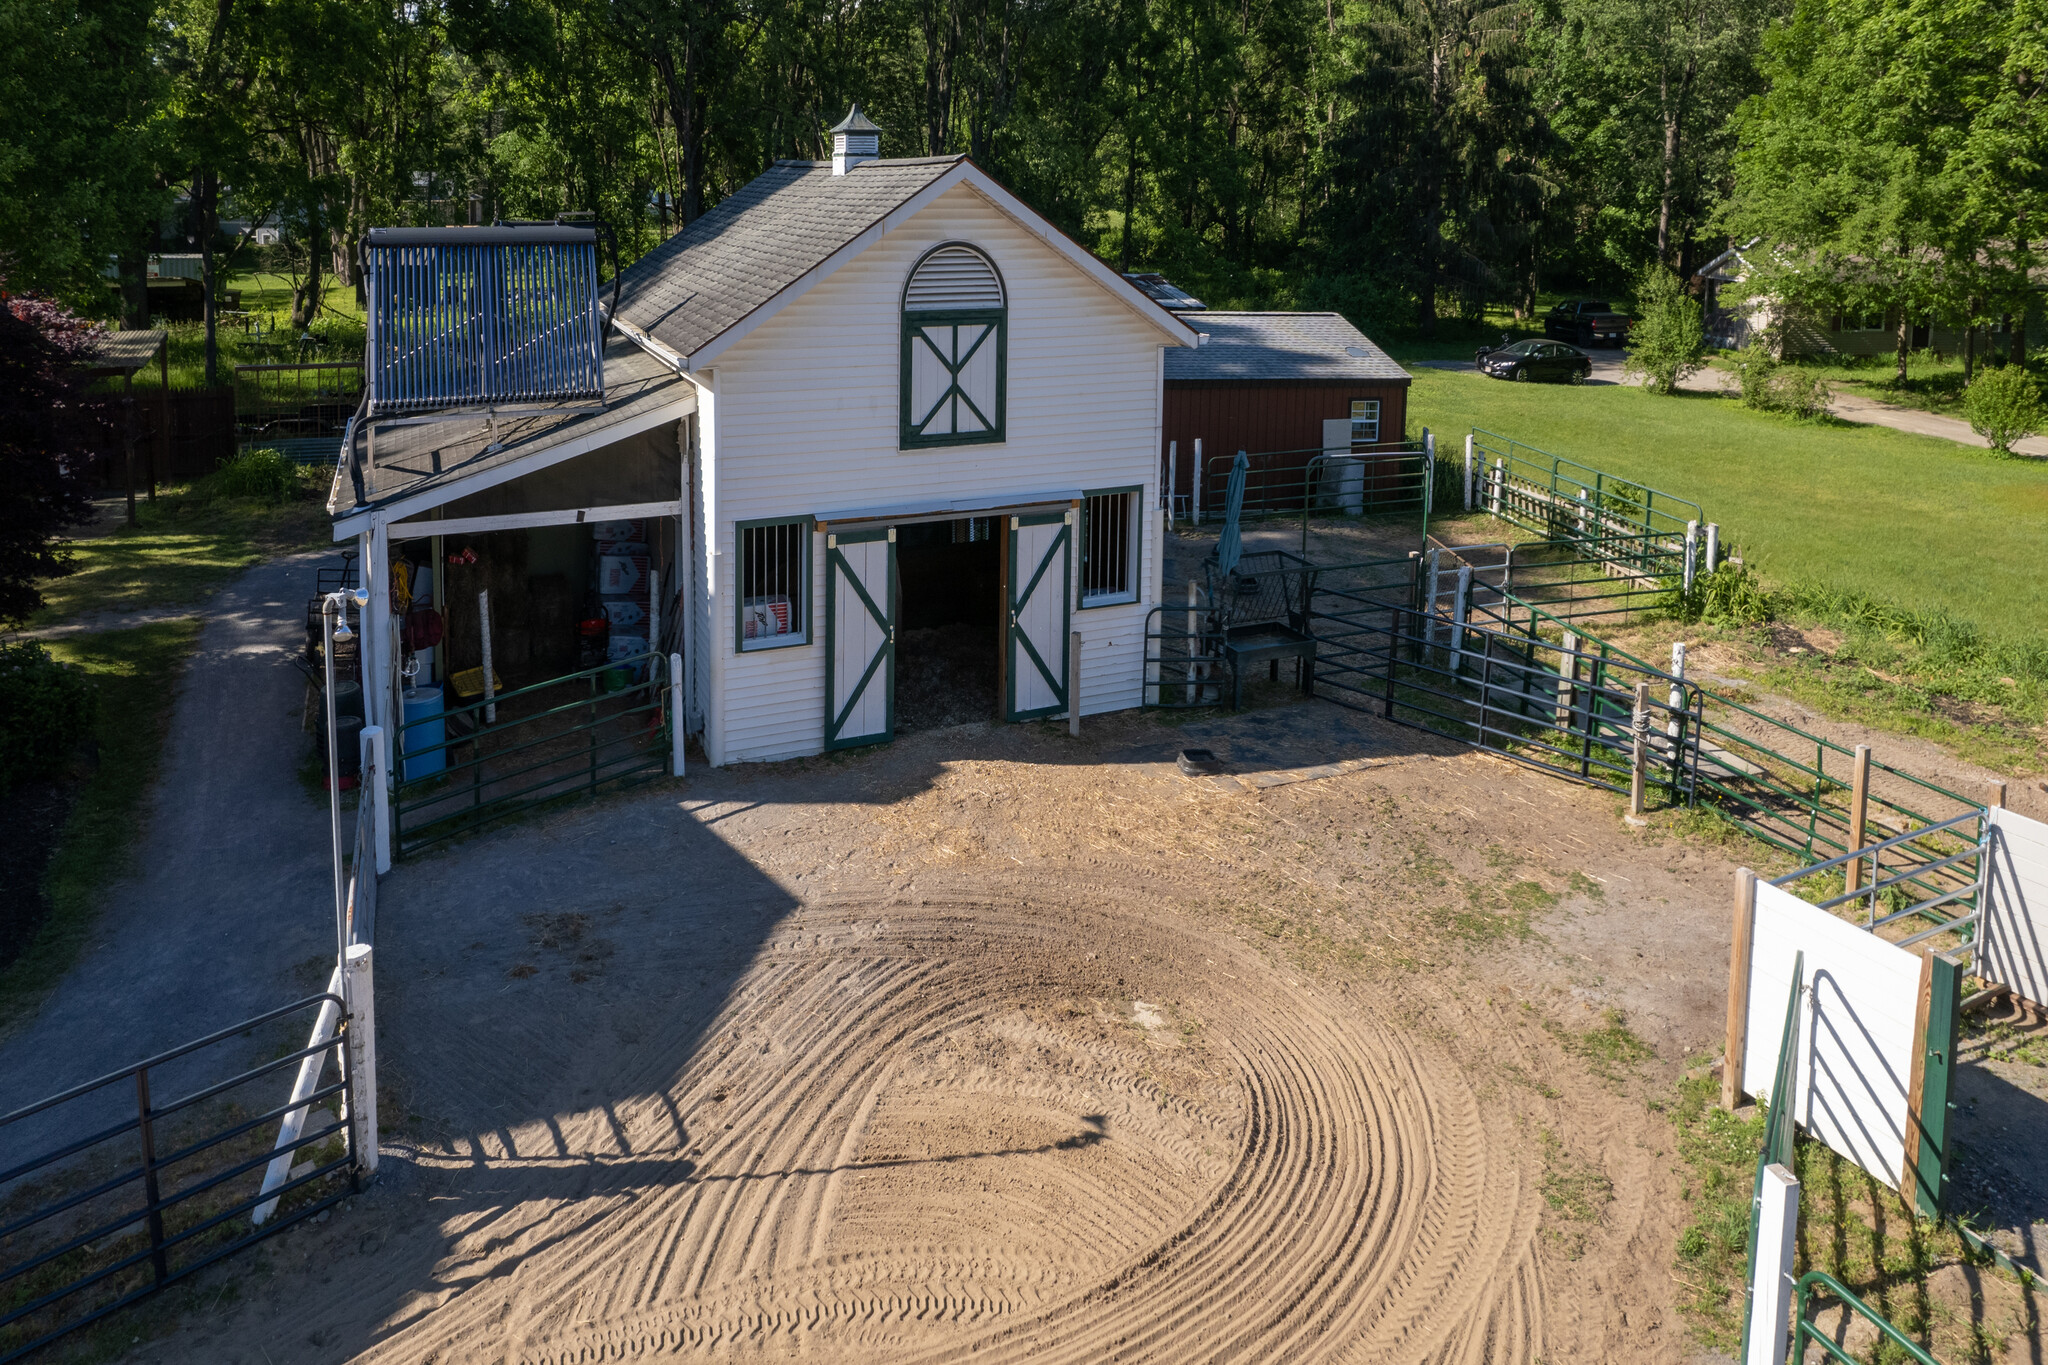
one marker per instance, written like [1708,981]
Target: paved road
[232,890]
[1850,407]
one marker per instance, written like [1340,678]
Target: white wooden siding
[2016,906]
[807,414]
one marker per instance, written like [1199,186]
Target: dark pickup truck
[1586,322]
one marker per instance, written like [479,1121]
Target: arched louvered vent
[953,276]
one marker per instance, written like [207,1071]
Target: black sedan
[1527,360]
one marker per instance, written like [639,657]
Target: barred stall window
[1365,421]
[1109,564]
[774,584]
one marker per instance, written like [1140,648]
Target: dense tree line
[1405,160]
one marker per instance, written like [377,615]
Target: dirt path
[231,891]
[993,1041]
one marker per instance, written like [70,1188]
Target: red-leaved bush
[46,437]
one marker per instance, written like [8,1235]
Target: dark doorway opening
[949,623]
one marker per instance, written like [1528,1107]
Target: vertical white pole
[1468,472]
[1638,753]
[1771,1292]
[1074,685]
[380,794]
[1567,675]
[483,616]
[653,608]
[676,713]
[1713,547]
[1172,476]
[1677,692]
[1436,573]
[1582,513]
[1500,480]
[1196,492]
[1692,549]
[1458,607]
[362,1056]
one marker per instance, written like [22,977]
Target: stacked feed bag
[622,569]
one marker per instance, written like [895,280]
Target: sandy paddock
[999,1043]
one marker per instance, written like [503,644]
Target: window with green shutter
[955,349]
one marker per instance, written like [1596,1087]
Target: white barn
[884,424]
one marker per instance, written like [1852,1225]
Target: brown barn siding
[1257,415]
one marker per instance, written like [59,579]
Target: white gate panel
[1854,1073]
[2015,951]
[1041,589]
[860,573]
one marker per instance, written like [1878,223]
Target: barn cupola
[854,139]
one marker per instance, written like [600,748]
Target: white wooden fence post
[1713,547]
[1436,579]
[675,709]
[1771,1292]
[374,782]
[1172,476]
[1074,685]
[1458,609]
[1677,692]
[1468,471]
[1567,676]
[1692,551]
[1500,479]
[1639,727]
[362,1056]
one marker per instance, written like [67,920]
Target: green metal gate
[469,765]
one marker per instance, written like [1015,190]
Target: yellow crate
[470,683]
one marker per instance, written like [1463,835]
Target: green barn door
[860,638]
[1041,597]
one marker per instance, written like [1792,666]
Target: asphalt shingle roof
[1279,346]
[707,278]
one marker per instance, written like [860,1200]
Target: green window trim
[1134,528]
[800,603]
[909,434]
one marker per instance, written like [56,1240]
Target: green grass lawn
[1934,383]
[135,672]
[190,541]
[1923,523]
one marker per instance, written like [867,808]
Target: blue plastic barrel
[421,703]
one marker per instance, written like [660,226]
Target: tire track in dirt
[919,1132]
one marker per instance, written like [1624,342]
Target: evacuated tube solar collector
[479,317]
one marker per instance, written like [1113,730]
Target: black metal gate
[129,1193]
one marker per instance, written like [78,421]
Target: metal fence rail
[300,411]
[90,1224]
[566,736]
[1620,578]
[1561,499]
[1392,479]
[1516,693]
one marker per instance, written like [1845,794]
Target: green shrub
[46,710]
[2004,407]
[1669,339]
[261,474]
[1731,595]
[1769,385]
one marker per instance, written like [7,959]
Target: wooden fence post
[1074,685]
[1859,808]
[1737,1037]
[362,1055]
[1639,729]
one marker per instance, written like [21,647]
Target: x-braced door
[1041,595]
[860,638]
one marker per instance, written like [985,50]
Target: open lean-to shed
[879,423]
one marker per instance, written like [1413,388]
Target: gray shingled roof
[707,278]
[1279,346]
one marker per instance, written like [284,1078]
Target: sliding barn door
[1041,593]
[860,638]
